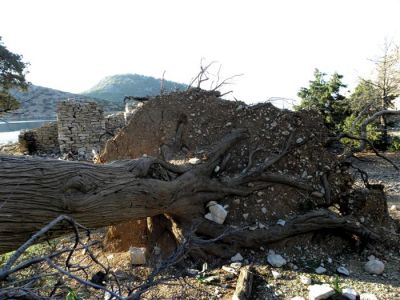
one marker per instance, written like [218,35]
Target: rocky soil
[300,269]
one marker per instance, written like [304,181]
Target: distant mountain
[115,88]
[39,103]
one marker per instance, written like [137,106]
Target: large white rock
[374,266]
[276,260]
[320,291]
[349,293]
[368,296]
[138,255]
[217,212]
[297,298]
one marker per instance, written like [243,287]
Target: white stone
[276,274]
[368,296]
[297,298]
[237,257]
[264,210]
[194,161]
[217,212]
[320,270]
[330,260]
[217,168]
[261,225]
[393,207]
[252,228]
[138,255]
[374,266]
[349,293]
[229,269]
[236,265]
[276,260]
[236,201]
[281,222]
[305,280]
[245,216]
[320,291]
[343,271]
[299,140]
[192,271]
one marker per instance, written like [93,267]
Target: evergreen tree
[12,75]
[325,96]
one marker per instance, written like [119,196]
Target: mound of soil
[182,127]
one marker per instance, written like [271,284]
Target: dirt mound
[182,126]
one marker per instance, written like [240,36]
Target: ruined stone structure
[80,128]
[43,139]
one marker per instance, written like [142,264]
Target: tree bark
[36,191]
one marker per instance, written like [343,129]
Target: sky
[275,45]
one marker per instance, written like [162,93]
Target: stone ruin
[80,131]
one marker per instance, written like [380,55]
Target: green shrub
[373,133]
[395,144]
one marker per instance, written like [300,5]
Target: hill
[115,88]
[41,102]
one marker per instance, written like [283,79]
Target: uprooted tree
[181,151]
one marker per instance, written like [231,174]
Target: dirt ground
[216,283]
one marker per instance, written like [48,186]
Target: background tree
[387,83]
[12,75]
[325,96]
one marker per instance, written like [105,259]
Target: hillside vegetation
[115,88]
[41,103]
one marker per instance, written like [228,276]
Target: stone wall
[40,140]
[80,129]
[81,126]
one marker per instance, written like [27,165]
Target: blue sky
[276,45]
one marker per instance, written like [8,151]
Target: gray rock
[276,260]
[374,266]
[237,257]
[320,270]
[349,293]
[281,222]
[320,291]
[343,271]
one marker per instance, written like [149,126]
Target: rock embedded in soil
[305,280]
[276,260]
[343,271]
[368,296]
[320,291]
[237,257]
[320,270]
[350,294]
[374,266]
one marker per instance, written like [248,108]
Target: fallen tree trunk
[35,191]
